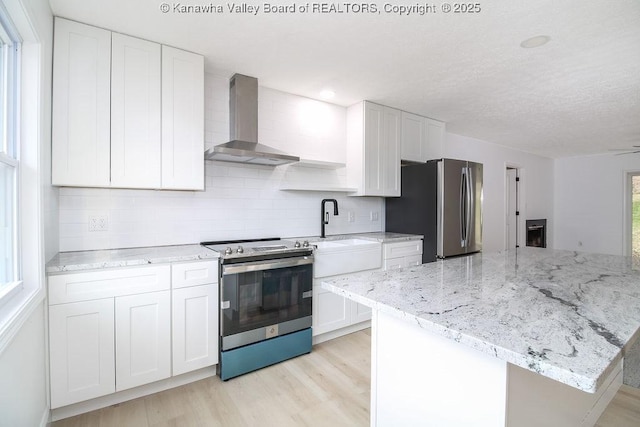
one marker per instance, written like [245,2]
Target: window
[9,158]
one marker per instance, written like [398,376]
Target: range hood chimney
[243,120]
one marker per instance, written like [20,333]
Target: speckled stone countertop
[568,316]
[380,236]
[109,258]
[89,260]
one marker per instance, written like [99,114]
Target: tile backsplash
[240,201]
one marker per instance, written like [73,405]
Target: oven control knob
[240,249]
[297,244]
[305,244]
[228,251]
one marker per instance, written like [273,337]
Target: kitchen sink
[333,257]
[321,246]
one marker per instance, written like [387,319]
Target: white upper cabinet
[422,138]
[373,149]
[435,139]
[81,98]
[414,137]
[127,113]
[135,112]
[182,120]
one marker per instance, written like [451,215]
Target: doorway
[635,215]
[512,214]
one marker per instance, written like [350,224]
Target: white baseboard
[134,393]
[45,421]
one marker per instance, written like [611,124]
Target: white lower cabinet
[360,313]
[195,327]
[82,355]
[143,339]
[333,313]
[401,254]
[110,330]
[330,311]
[115,329]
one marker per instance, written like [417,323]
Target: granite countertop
[566,315]
[109,258]
[379,236]
[88,260]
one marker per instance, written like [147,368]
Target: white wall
[536,185]
[23,392]
[240,201]
[589,202]
[23,362]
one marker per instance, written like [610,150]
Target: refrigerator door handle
[470,204]
[463,207]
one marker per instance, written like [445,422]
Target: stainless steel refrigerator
[442,200]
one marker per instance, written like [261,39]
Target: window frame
[33,134]
[10,142]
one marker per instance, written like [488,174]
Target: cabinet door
[360,313]
[182,120]
[135,113]
[195,327]
[435,139]
[391,152]
[80,109]
[374,161]
[414,138]
[143,339]
[81,351]
[330,311]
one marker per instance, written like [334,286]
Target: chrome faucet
[325,215]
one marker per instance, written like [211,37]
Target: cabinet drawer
[393,263]
[413,260]
[194,274]
[92,285]
[400,249]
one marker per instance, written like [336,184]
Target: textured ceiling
[578,94]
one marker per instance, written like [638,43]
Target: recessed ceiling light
[327,94]
[536,41]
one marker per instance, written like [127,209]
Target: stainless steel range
[266,289]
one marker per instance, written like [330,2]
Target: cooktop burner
[271,247]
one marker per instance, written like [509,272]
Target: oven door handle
[265,265]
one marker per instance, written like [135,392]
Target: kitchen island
[525,337]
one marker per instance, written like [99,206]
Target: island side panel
[535,400]
[419,378]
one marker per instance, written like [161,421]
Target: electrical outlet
[373,215]
[351,217]
[98,223]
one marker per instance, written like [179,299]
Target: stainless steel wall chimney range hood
[243,112]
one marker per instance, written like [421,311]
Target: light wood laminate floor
[329,387]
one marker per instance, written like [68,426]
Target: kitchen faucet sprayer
[325,215]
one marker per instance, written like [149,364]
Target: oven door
[265,299]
